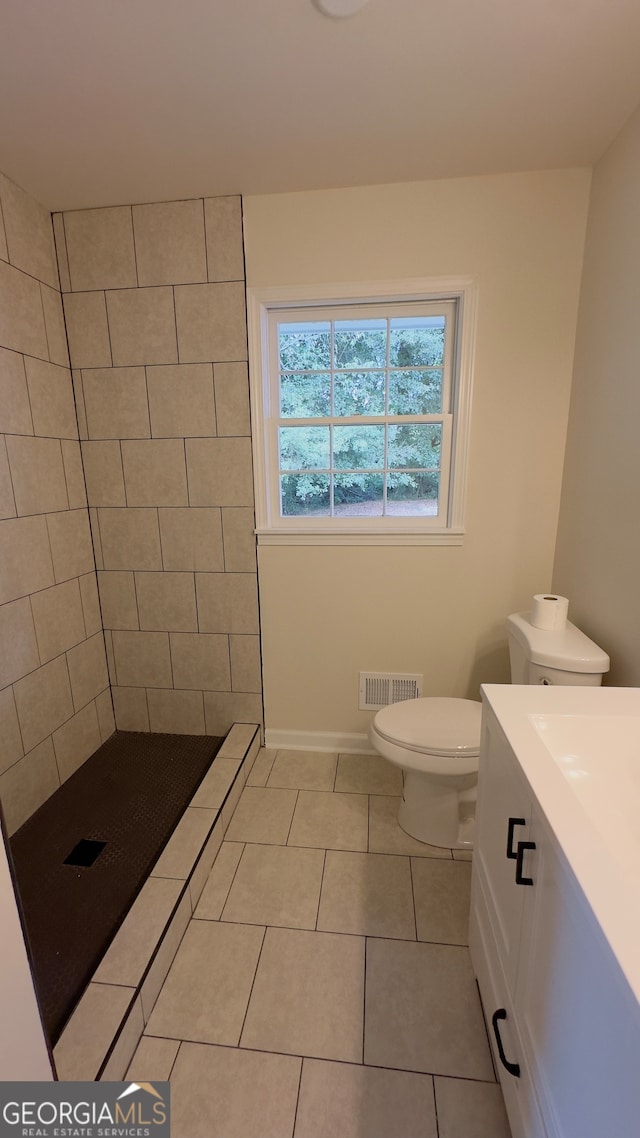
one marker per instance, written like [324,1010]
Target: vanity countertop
[579,748]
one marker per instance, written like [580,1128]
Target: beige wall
[155,310]
[329,612]
[598,551]
[55,705]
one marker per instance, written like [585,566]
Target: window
[361,410]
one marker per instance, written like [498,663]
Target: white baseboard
[334,741]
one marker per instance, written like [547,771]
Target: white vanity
[555,908]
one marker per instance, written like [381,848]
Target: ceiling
[104,102]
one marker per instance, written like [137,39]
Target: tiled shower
[128,578]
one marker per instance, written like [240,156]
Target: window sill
[359,537]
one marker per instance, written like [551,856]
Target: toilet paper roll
[549,612]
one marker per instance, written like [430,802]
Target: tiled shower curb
[103,1032]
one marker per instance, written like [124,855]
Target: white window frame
[271,528]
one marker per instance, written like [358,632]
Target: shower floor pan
[109,870]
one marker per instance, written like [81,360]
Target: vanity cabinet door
[503,818]
[578,1021]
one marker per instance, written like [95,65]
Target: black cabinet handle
[512,1068]
[522,846]
[513,822]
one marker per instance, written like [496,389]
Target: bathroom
[551,483]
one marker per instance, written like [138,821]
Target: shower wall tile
[58,619]
[25,557]
[54,325]
[155,472]
[225,251]
[85,316]
[166,602]
[200,661]
[142,326]
[142,659]
[115,403]
[29,233]
[232,398]
[100,248]
[18,639]
[76,740]
[7,496]
[170,244]
[118,599]
[211,321]
[90,603]
[51,399]
[43,701]
[223,709]
[220,472]
[70,540]
[27,784]
[15,410]
[21,317]
[106,718]
[130,707]
[12,748]
[192,539]
[227,602]
[4,252]
[178,712]
[61,251]
[246,668]
[87,670]
[78,395]
[130,539]
[239,540]
[102,461]
[37,474]
[181,402]
[74,474]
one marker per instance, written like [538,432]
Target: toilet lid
[439,726]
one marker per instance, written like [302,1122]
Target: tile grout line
[324,862]
[413,898]
[235,872]
[246,1010]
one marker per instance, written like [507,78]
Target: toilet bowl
[436,740]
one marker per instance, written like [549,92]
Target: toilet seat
[441,735]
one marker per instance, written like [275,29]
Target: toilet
[436,740]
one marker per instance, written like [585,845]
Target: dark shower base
[119,809]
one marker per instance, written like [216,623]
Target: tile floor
[324,987]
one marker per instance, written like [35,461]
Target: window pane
[358,448]
[358,495]
[415,392]
[360,343]
[306,494]
[417,340]
[305,347]
[411,495]
[359,393]
[305,396]
[304,448]
[415,444]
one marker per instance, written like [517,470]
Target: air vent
[378,689]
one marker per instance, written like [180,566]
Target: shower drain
[85,853]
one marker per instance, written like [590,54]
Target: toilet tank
[564,656]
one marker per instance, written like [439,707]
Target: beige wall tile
[142,326]
[90,603]
[86,320]
[130,539]
[88,670]
[181,400]
[94,527]
[100,248]
[115,401]
[61,251]
[238,526]
[170,246]
[54,325]
[232,398]
[58,619]
[103,472]
[15,412]
[178,712]
[43,700]
[18,644]
[191,539]
[118,599]
[130,707]
[225,251]
[27,784]
[223,709]
[227,602]
[25,557]
[71,548]
[4,252]
[7,498]
[143,659]
[200,662]
[11,749]
[29,233]
[76,740]
[211,322]
[74,474]
[106,719]
[246,672]
[111,660]
[155,472]
[37,473]
[51,398]
[21,316]
[167,602]
[220,472]
[78,394]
